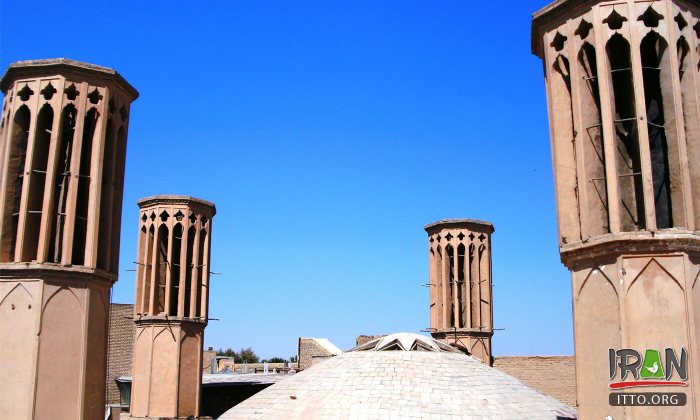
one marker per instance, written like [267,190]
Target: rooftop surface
[327,345]
[223,379]
[401,384]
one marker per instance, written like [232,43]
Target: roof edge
[14,70]
[175,199]
[549,13]
[480,225]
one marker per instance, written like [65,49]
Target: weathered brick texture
[362,339]
[552,375]
[311,352]
[207,355]
[121,347]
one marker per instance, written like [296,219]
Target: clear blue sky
[328,134]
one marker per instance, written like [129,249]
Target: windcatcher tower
[461,313]
[62,148]
[622,89]
[172,295]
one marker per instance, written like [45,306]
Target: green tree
[246,355]
[229,352]
[275,360]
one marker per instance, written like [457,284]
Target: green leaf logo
[652,365]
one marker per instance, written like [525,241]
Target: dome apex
[405,342]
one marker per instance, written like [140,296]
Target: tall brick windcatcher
[461,311]
[622,88]
[62,149]
[171,308]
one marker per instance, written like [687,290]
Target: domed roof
[421,377]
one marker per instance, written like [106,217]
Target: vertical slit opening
[140,268]
[148,261]
[82,202]
[188,272]
[629,168]
[64,148]
[473,284]
[433,289]
[593,145]
[439,288]
[117,197]
[106,196]
[461,287]
[15,179]
[652,49]
[175,271]
[450,295]
[483,285]
[691,123]
[37,181]
[163,268]
[565,152]
[202,269]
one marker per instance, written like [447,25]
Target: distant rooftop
[223,379]
[327,345]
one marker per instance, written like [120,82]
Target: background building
[120,352]
[315,350]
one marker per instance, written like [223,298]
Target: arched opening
[202,271]
[564,149]
[106,197]
[461,287]
[484,286]
[652,49]
[596,205]
[162,269]
[433,288]
[37,182]
[629,168]
[119,162]
[451,289]
[691,124]
[439,288]
[175,270]
[473,285]
[64,148]
[140,268]
[148,272]
[83,199]
[188,271]
[15,179]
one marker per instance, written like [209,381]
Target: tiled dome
[422,379]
